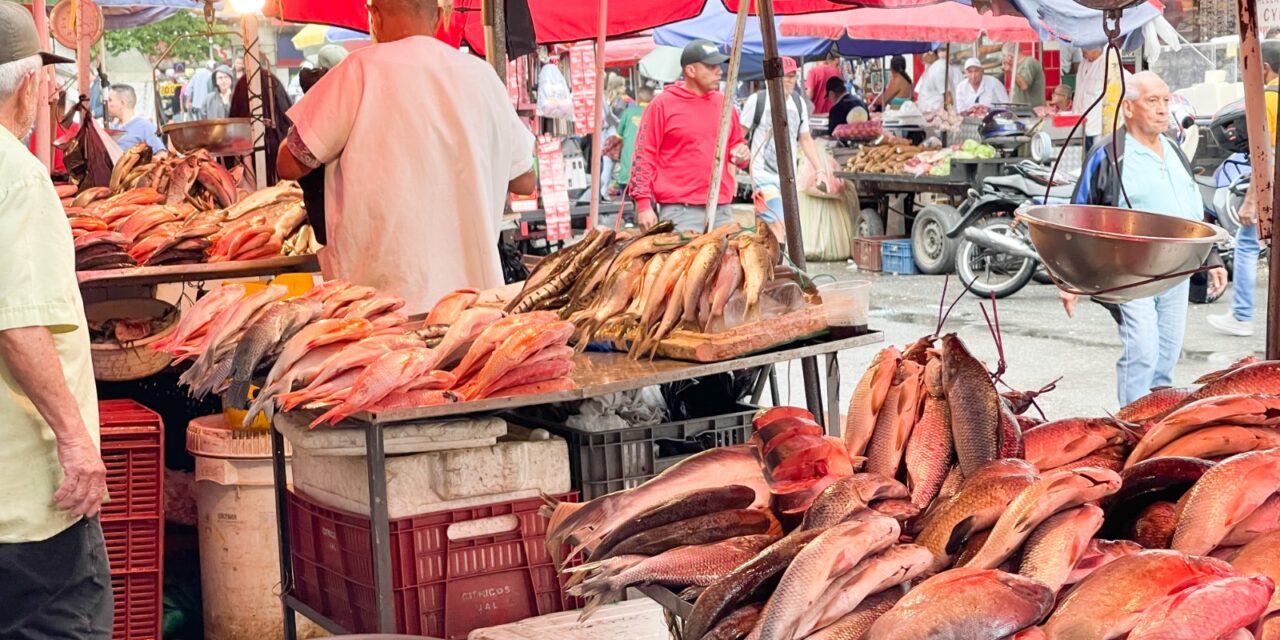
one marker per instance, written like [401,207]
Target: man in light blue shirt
[122,101]
[1156,177]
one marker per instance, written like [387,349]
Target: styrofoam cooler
[239,558]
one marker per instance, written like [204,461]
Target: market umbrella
[315,35]
[662,64]
[717,25]
[1076,24]
[628,51]
[947,22]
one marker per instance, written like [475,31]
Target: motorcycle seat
[1208,189]
[1031,188]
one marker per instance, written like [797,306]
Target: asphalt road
[1040,342]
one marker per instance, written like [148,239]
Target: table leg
[774,392]
[763,375]
[812,388]
[281,489]
[833,395]
[380,528]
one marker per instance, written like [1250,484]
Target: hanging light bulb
[247,6]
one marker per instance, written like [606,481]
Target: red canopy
[557,21]
[946,22]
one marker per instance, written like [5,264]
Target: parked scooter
[995,255]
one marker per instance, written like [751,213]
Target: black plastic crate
[602,462]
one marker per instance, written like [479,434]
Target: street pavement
[1040,342]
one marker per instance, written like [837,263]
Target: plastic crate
[866,252]
[133,520]
[896,257]
[443,586]
[133,451]
[139,606]
[602,462]
[133,544]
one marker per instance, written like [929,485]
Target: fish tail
[237,394]
[334,415]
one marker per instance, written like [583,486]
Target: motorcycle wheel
[869,223]
[985,272]
[933,251]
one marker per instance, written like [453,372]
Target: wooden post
[787,180]
[726,112]
[597,139]
[1273,282]
[494,18]
[1259,154]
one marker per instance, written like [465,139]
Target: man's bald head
[1146,104]
[391,20]
[1144,83]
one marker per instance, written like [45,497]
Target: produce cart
[596,374]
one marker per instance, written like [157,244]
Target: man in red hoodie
[677,146]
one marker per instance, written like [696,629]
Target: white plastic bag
[554,98]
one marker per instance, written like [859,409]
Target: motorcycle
[995,255]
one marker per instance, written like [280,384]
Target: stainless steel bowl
[1094,249]
[1109,5]
[222,137]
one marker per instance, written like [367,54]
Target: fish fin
[958,535]
[237,394]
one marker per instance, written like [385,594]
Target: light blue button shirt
[1159,185]
[138,130]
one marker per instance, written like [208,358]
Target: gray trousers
[693,217]
[57,589]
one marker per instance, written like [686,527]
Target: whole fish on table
[353,358]
[1054,548]
[1210,610]
[382,377]
[470,324]
[1223,496]
[198,317]
[854,625]
[899,564]
[868,398]
[1234,409]
[279,323]
[225,327]
[975,406]
[975,604]
[494,335]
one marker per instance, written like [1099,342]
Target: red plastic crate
[867,250]
[138,609]
[442,587]
[133,519]
[133,544]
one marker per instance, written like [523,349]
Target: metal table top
[598,374]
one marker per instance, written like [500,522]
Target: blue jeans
[1151,330]
[1246,272]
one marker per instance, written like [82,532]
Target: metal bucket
[1117,254]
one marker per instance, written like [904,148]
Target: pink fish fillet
[526,374]
[373,307]
[334,304]
[534,388]
[315,335]
[494,336]
[392,320]
[518,348]
[469,326]
[326,289]
[384,375]
[353,358]
[200,315]
[323,395]
[416,398]
[451,306]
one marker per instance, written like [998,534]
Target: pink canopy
[945,22]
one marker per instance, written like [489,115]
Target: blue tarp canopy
[717,25]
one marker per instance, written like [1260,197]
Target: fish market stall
[971,516]
[344,355]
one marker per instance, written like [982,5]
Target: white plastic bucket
[239,558]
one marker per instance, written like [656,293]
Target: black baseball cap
[18,38]
[704,51]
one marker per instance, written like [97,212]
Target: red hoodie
[676,149]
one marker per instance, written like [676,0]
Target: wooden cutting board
[742,340]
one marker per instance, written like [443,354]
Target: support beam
[597,139]
[44,128]
[726,112]
[786,177]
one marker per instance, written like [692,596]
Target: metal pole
[494,16]
[43,126]
[597,140]
[253,84]
[1259,154]
[1273,283]
[726,111]
[83,57]
[947,98]
[787,177]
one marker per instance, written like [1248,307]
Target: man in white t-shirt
[417,168]
[757,121]
[938,75]
[1089,87]
[978,88]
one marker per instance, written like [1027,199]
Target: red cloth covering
[676,148]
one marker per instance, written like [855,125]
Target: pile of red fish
[345,349]
[954,522]
[140,227]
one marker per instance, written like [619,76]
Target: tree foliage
[151,40]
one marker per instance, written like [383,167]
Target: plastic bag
[827,227]
[554,98]
[90,154]
[806,176]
